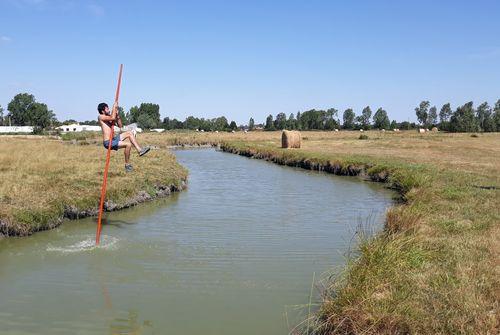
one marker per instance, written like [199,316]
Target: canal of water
[235,253]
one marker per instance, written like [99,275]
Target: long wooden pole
[108,155]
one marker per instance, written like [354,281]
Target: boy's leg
[128,135]
[128,147]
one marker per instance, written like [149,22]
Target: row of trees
[329,120]
[220,124]
[465,118]
[147,115]
[24,110]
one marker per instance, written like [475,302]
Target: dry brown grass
[40,177]
[479,155]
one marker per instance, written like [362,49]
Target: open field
[434,270]
[44,180]
[457,151]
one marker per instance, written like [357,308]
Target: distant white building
[75,127]
[16,129]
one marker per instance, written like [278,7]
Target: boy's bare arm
[103,117]
[119,121]
[114,111]
[117,115]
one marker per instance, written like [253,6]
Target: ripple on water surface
[87,244]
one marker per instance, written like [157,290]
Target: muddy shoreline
[74,213]
[352,170]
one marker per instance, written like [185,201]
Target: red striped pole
[106,167]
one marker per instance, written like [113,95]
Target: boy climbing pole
[124,140]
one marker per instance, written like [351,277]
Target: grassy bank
[44,180]
[479,155]
[434,269]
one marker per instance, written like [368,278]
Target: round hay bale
[435,129]
[290,139]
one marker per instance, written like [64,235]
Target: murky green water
[233,254]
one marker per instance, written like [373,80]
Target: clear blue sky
[250,58]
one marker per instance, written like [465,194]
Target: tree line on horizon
[24,110]
[147,115]
[464,119]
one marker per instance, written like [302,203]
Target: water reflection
[130,324]
[115,223]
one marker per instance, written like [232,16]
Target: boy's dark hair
[101,106]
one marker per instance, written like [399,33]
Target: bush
[79,136]
[363,137]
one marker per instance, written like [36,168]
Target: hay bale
[421,130]
[435,129]
[290,139]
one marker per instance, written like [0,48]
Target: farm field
[460,151]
